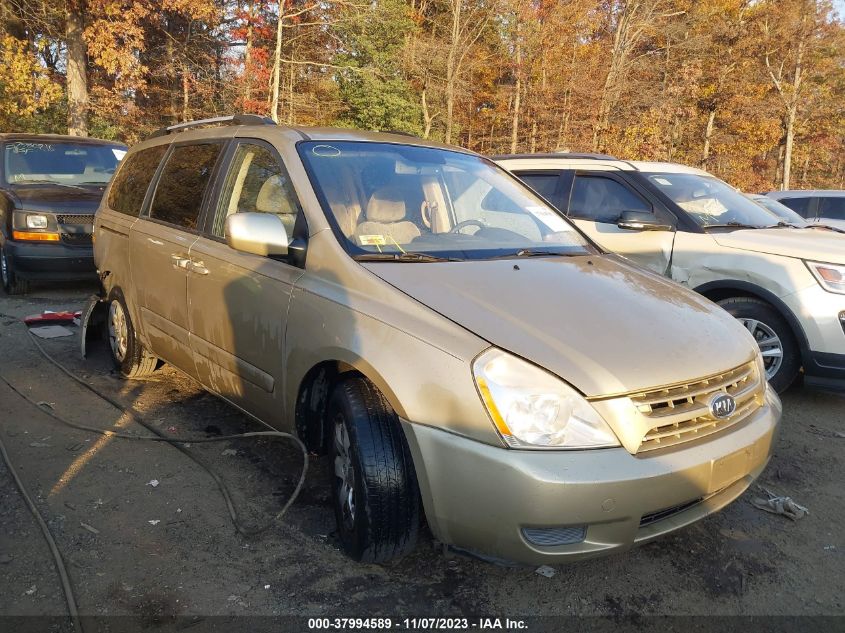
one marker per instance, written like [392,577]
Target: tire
[128,353]
[380,519]
[12,284]
[764,323]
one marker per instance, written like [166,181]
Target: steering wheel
[462,225]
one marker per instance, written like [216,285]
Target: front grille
[654,517]
[77,239]
[681,413]
[75,219]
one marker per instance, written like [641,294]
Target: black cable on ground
[67,588]
[175,441]
[44,407]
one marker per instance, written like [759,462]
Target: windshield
[60,163]
[782,211]
[392,201]
[710,201]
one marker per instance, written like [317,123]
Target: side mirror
[641,221]
[257,233]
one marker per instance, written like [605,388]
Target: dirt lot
[170,549]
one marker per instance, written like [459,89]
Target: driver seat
[386,216]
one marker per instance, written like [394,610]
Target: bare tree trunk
[291,80]
[77,77]
[186,94]
[428,119]
[708,134]
[787,147]
[248,51]
[517,95]
[451,63]
[277,65]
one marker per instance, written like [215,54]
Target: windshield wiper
[530,252]
[43,181]
[734,225]
[404,257]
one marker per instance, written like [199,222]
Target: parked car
[786,285]
[455,344]
[50,187]
[785,214]
[826,206]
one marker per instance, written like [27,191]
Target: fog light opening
[548,537]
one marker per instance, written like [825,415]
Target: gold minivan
[464,353]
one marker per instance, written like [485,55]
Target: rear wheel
[774,337]
[128,353]
[374,487]
[12,284]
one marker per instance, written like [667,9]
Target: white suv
[785,283]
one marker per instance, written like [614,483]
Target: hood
[65,199]
[823,246]
[603,325]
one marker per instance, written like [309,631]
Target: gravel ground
[155,552]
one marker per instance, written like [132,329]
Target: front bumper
[822,317]
[51,261]
[480,497]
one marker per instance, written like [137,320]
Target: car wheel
[781,355]
[128,354]
[12,284]
[374,486]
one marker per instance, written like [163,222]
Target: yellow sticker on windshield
[372,240]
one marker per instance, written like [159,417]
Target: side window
[544,184]
[181,187]
[799,205]
[256,183]
[832,208]
[603,200]
[133,179]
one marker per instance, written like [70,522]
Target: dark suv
[50,187]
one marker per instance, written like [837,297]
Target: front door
[159,247]
[596,205]
[238,302]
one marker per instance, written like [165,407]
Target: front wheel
[12,284]
[374,486]
[774,337]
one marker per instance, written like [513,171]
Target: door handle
[198,268]
[179,261]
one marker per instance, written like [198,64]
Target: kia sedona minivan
[50,187]
[463,353]
[785,284]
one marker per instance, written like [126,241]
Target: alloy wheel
[771,347]
[118,331]
[345,472]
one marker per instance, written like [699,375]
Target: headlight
[830,276]
[531,408]
[36,221]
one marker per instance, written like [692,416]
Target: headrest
[272,197]
[387,204]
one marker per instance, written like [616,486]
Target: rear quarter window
[130,185]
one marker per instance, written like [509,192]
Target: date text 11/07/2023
[416,624]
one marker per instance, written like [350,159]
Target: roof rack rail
[400,133]
[585,155]
[232,119]
[557,154]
